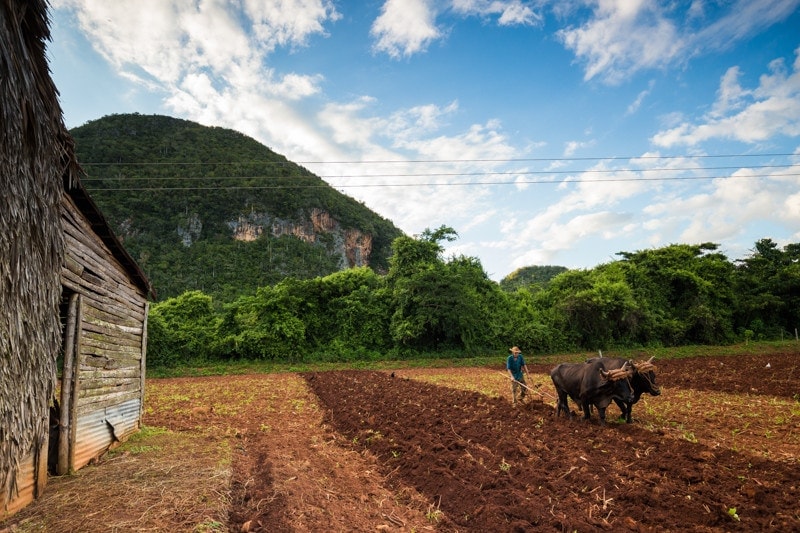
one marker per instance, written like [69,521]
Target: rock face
[318,227]
[191,232]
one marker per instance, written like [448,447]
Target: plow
[536,389]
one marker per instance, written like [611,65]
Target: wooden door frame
[69,386]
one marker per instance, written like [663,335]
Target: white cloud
[168,40]
[607,206]
[289,22]
[600,216]
[408,27]
[425,178]
[554,237]
[791,209]
[348,129]
[571,147]
[584,213]
[728,206]
[750,116]
[509,13]
[295,86]
[744,18]
[478,142]
[126,37]
[419,121]
[405,27]
[637,103]
[209,59]
[730,95]
[623,37]
[479,219]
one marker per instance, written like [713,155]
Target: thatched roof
[37,165]
[34,161]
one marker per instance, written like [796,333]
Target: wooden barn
[73,303]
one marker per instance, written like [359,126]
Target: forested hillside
[210,209]
[531,277]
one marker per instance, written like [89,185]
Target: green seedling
[434,514]
[209,526]
[373,435]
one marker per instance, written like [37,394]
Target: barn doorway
[61,413]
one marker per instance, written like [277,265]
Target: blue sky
[545,133]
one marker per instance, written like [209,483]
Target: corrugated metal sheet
[26,484]
[99,430]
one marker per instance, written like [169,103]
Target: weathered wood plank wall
[108,379]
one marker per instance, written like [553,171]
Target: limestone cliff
[317,227]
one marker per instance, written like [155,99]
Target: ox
[642,381]
[591,384]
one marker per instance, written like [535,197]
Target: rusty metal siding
[26,485]
[101,429]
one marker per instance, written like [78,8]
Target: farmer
[515,364]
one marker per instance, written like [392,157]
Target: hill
[531,277]
[211,209]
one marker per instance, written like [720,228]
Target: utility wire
[436,174]
[431,184]
[431,161]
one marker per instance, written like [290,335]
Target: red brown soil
[490,467]
[444,450]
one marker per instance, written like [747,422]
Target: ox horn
[651,359]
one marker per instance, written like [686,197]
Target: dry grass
[157,481]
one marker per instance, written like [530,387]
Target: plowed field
[444,450]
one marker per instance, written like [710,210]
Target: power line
[433,184]
[436,174]
[433,161]
[551,159]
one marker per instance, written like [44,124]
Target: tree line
[427,304]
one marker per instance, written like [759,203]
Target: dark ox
[590,384]
[643,381]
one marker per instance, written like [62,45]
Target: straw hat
[515,350]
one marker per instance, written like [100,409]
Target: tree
[525,322]
[350,312]
[264,326]
[685,291]
[597,307]
[438,304]
[768,289]
[410,255]
[182,329]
